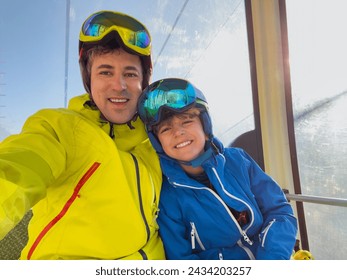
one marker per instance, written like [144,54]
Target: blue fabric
[196,222]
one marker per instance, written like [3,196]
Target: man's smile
[118,100]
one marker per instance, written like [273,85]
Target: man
[89,172]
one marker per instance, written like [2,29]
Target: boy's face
[116,84]
[182,136]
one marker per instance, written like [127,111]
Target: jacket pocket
[64,209]
[263,235]
[195,239]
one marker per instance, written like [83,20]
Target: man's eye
[105,73]
[131,74]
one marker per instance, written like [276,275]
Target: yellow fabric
[302,255]
[82,186]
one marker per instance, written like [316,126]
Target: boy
[216,202]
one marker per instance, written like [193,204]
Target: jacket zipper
[265,231]
[247,250]
[242,232]
[195,237]
[65,208]
[138,181]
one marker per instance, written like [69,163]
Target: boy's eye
[187,122]
[164,129]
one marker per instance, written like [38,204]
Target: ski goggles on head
[133,34]
[174,94]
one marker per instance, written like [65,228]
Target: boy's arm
[279,229]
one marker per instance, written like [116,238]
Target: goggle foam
[134,34]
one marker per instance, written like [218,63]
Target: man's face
[116,84]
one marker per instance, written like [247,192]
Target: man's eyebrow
[107,66]
[132,68]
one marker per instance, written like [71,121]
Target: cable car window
[318,61]
[206,42]
[203,41]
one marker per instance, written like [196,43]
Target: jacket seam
[143,254]
[138,182]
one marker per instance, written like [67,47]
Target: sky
[203,41]
[34,44]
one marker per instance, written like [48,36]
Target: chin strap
[132,120]
[129,124]
[111,133]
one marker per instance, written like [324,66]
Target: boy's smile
[182,136]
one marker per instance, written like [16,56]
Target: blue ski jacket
[196,222]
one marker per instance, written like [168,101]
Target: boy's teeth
[183,144]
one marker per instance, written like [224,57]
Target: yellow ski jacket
[93,197]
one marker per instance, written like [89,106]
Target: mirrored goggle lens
[159,98]
[132,32]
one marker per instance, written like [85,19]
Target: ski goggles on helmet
[133,34]
[174,94]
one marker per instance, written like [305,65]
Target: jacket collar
[125,137]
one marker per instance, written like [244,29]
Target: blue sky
[32,50]
[206,42]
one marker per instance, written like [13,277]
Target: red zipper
[66,207]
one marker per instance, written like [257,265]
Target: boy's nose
[178,130]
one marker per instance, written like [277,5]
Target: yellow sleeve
[28,163]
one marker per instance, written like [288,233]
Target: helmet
[176,95]
[114,29]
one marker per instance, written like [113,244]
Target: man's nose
[118,83]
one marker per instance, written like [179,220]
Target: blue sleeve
[278,234]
